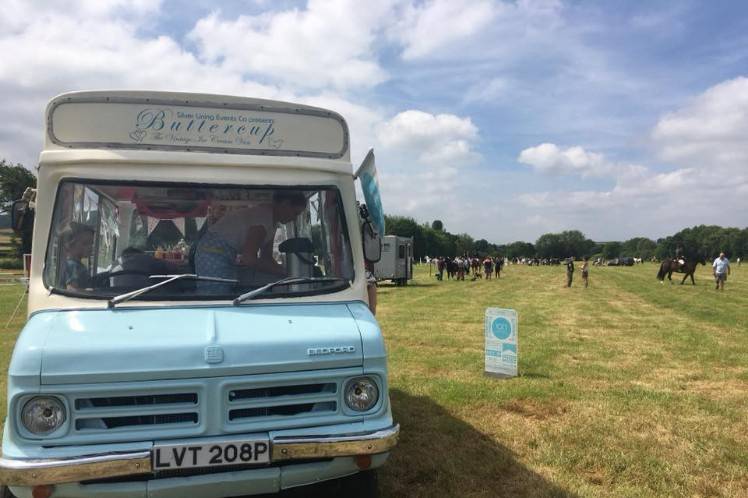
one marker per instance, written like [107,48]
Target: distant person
[720,269]
[488,267]
[586,272]
[77,244]
[460,268]
[569,271]
[679,256]
[440,265]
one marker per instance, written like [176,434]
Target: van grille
[104,413]
[284,401]
[120,412]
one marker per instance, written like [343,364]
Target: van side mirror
[18,213]
[372,243]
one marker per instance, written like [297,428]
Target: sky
[504,119]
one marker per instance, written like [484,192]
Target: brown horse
[668,266]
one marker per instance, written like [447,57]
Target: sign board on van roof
[186,122]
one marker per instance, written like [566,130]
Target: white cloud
[330,43]
[434,24]
[548,158]
[710,132]
[435,140]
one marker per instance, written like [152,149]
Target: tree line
[431,239]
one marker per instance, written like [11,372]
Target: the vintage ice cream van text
[185,128]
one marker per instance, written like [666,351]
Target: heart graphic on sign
[138,135]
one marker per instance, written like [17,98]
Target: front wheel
[361,485]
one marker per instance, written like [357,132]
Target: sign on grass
[501,342]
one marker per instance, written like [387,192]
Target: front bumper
[21,472]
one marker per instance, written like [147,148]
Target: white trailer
[397,260]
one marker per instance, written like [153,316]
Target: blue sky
[504,119]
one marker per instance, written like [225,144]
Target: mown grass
[627,388]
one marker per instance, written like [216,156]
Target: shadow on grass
[440,455]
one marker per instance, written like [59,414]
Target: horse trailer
[396,263]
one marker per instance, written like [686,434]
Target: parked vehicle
[198,322]
[396,263]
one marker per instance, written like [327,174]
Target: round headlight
[43,415]
[361,394]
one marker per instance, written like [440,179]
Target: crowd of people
[464,266]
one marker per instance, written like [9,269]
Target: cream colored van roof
[188,122]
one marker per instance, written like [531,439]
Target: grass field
[627,388]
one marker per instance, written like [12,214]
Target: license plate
[186,456]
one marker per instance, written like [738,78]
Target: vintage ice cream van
[198,321]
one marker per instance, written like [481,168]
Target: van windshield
[108,238]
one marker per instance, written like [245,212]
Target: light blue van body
[83,354]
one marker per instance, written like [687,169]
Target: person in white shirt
[721,269]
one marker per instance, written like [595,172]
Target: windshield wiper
[169,279]
[285,281]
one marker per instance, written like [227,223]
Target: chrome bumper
[18,472]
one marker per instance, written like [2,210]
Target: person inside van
[243,238]
[77,243]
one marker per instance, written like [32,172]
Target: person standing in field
[586,272]
[460,268]
[569,271]
[488,267]
[720,269]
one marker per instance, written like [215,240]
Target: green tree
[639,247]
[612,250]
[574,243]
[464,244]
[520,250]
[14,180]
[437,225]
[549,245]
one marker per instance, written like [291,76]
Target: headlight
[43,415]
[361,394]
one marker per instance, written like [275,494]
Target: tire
[361,485]
[5,492]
